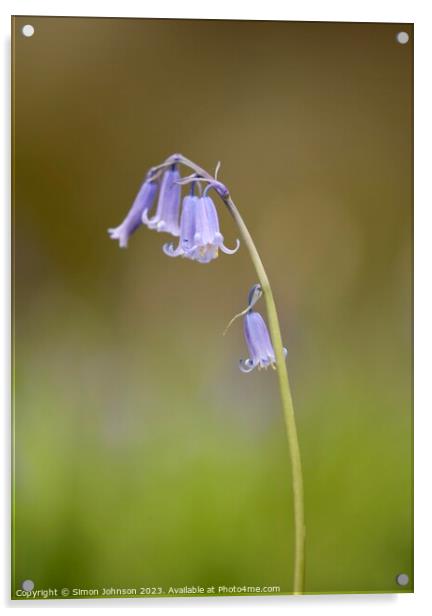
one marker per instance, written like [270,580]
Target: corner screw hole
[27,585]
[402,579]
[402,38]
[27,30]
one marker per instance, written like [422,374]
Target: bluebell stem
[200,236]
[168,207]
[143,202]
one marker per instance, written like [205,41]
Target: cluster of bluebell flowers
[194,221]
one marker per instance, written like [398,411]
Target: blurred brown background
[142,455]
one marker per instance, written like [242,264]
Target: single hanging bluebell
[258,340]
[166,218]
[142,203]
[200,236]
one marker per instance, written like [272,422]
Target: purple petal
[204,228]
[143,202]
[187,222]
[187,227]
[168,207]
[258,341]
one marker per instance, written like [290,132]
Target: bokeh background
[143,457]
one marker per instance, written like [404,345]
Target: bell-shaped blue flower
[166,218]
[200,236]
[187,229]
[258,341]
[143,202]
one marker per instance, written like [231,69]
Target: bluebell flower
[187,228]
[200,236]
[143,202]
[258,341]
[168,207]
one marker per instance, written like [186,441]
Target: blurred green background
[142,455]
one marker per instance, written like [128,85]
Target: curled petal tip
[145,218]
[246,365]
[170,251]
[229,251]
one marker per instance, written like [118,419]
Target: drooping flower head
[200,236]
[198,225]
[143,202]
[258,341]
[166,218]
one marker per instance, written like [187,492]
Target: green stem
[285,391]
[287,403]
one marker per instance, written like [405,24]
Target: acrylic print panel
[146,462]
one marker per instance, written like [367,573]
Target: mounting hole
[27,585]
[27,30]
[402,38]
[402,579]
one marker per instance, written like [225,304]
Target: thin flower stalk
[284,386]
